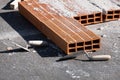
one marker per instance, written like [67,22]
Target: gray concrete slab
[40,63]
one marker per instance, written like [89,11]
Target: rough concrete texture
[105,4]
[59,7]
[116,2]
[40,63]
[84,5]
[70,8]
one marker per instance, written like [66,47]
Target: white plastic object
[37,43]
[100,57]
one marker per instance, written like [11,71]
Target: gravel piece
[103,35]
[34,51]
[9,48]
[10,54]
[101,28]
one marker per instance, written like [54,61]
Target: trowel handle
[37,42]
[101,57]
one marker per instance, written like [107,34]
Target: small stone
[115,44]
[9,48]
[10,54]
[77,76]
[34,51]
[104,35]
[8,39]
[101,28]
[14,67]
[74,77]
[72,74]
[67,71]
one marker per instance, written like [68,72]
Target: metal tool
[71,56]
[98,57]
[18,48]
[90,58]
[25,48]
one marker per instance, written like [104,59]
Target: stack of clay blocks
[87,13]
[110,9]
[66,33]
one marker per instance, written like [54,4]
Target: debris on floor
[14,4]
[9,48]
[104,35]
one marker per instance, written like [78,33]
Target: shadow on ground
[7,6]
[24,28]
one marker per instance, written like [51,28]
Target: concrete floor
[40,63]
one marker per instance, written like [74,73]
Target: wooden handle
[37,43]
[101,57]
